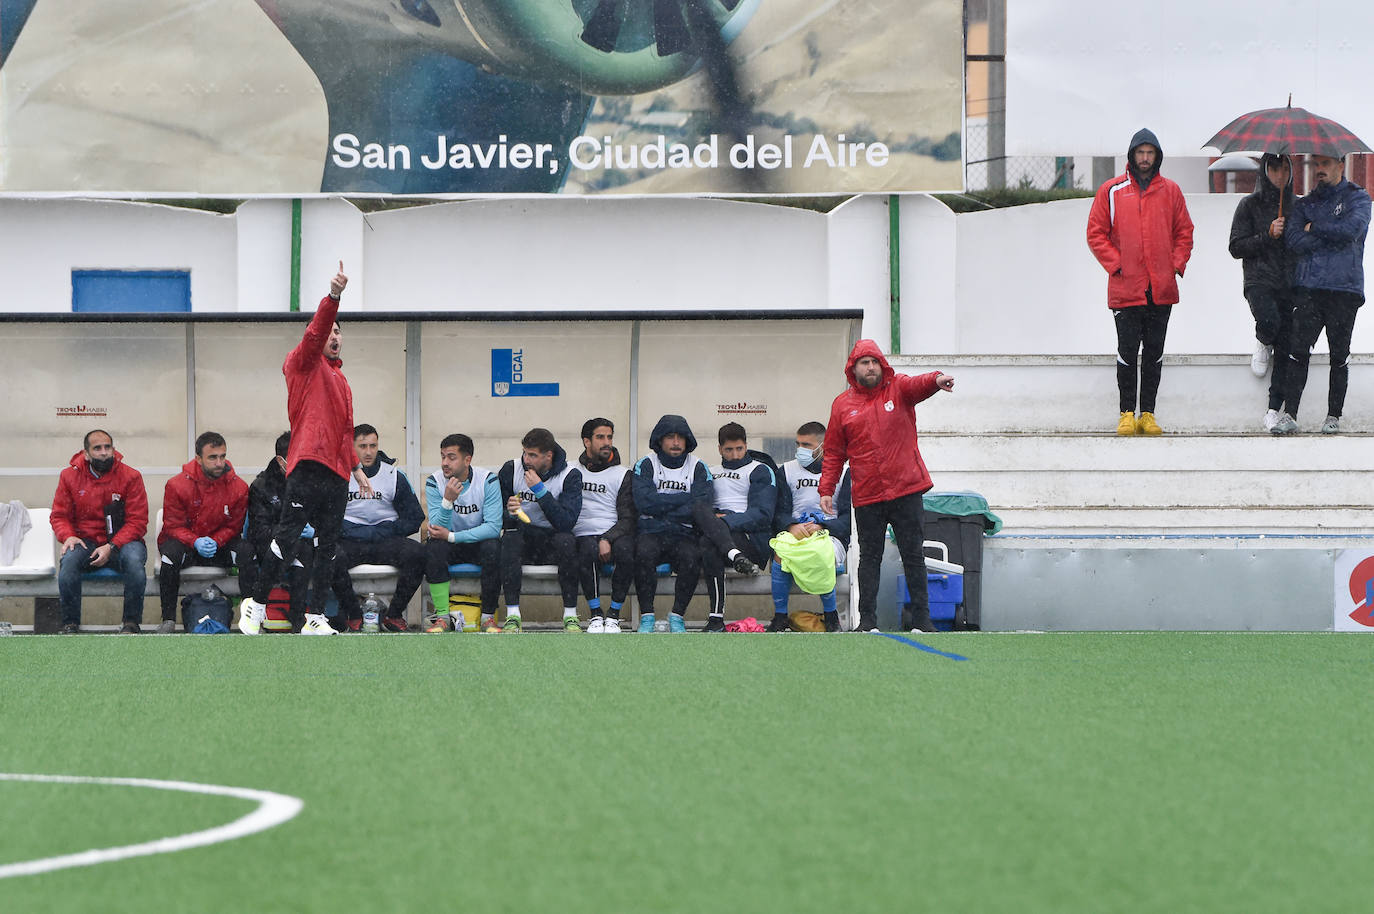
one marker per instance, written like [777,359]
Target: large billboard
[258,97]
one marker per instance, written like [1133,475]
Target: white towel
[14,523]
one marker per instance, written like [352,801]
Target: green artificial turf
[1083,772]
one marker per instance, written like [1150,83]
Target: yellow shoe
[1148,426]
[1127,424]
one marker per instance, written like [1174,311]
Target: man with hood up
[319,405]
[543,498]
[203,509]
[1326,237]
[873,426]
[1140,231]
[674,495]
[605,528]
[1257,241]
[100,516]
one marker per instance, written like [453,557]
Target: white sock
[570,612]
[717,615]
[512,612]
[731,554]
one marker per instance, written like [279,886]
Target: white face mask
[805,456]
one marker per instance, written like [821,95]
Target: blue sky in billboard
[252,97]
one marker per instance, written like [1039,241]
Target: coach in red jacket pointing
[319,404]
[1140,231]
[873,426]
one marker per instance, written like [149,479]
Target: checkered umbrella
[1287,131]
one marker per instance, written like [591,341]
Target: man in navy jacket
[1326,234]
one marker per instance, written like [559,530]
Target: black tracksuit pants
[682,551]
[589,567]
[485,554]
[1140,333]
[316,495]
[406,554]
[533,545]
[1317,310]
[907,518]
[176,555]
[1273,312]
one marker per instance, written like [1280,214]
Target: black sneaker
[715,624]
[867,622]
[71,628]
[130,628]
[779,623]
[742,565]
[832,621]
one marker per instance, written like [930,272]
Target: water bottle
[372,614]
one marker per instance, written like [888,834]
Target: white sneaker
[612,627]
[317,624]
[596,626]
[1271,419]
[1259,362]
[251,615]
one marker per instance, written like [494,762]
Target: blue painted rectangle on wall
[508,376]
[125,291]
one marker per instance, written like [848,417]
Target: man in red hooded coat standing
[873,426]
[319,404]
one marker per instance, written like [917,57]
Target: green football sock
[439,594]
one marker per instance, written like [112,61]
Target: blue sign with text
[508,376]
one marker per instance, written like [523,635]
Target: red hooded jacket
[875,430]
[1143,239]
[194,505]
[78,505]
[319,402]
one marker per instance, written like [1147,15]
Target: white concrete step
[1198,394]
[1104,484]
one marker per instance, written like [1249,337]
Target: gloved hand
[206,546]
[308,533]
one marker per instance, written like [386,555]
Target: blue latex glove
[206,546]
[308,533]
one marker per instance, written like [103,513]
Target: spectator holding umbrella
[1326,235]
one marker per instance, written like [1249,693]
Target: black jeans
[1140,333]
[316,495]
[406,554]
[1273,312]
[176,555]
[682,552]
[485,554]
[589,566]
[1318,309]
[531,545]
[906,516]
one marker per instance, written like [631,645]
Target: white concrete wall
[673,254]
[42,241]
[999,282]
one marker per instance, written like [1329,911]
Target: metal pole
[296,254]
[997,94]
[894,271]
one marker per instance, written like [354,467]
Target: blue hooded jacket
[1329,256]
[670,512]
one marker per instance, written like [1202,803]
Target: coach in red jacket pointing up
[319,404]
[873,426]
[1140,231]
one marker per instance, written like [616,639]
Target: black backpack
[207,612]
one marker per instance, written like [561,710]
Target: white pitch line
[273,809]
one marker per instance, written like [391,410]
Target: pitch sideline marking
[273,809]
[925,647]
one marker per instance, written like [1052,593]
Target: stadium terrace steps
[1202,395]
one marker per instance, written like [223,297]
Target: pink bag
[745,625]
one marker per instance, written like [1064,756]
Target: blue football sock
[828,602]
[594,604]
[782,587]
